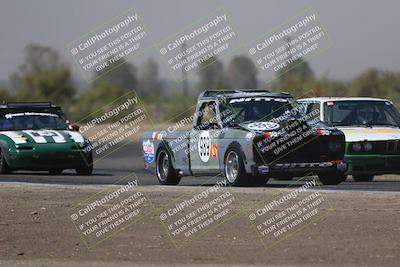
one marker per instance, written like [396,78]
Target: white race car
[372,130]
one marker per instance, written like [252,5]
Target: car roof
[325,99]
[22,105]
[30,107]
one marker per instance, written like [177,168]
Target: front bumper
[48,157]
[299,169]
[373,164]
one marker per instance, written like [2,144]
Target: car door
[203,144]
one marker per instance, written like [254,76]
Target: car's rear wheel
[234,171]
[166,174]
[363,177]
[332,178]
[4,168]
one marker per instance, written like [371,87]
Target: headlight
[334,146]
[357,147]
[367,146]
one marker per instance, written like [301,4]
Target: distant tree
[5,95]
[391,81]
[368,84]
[299,69]
[95,98]
[242,73]
[211,74]
[120,73]
[149,82]
[43,77]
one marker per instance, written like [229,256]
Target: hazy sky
[364,33]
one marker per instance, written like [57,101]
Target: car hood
[43,136]
[356,134]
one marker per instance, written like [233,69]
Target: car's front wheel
[166,173]
[332,178]
[85,170]
[234,171]
[4,168]
[363,177]
[87,167]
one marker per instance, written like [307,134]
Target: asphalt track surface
[128,160]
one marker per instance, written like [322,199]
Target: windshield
[365,113]
[32,121]
[252,109]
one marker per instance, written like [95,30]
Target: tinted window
[348,113]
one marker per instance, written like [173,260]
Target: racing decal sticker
[214,151]
[263,126]
[45,136]
[16,137]
[148,149]
[204,146]
[76,137]
[248,99]
[157,135]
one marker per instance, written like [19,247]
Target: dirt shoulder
[357,228]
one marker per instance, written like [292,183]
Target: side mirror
[73,127]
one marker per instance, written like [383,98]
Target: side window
[302,106]
[313,108]
[207,116]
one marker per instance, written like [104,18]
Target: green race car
[372,130]
[38,137]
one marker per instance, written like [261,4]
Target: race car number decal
[204,146]
[263,126]
[40,136]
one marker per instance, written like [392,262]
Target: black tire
[166,174]
[87,167]
[4,168]
[85,170]
[363,177]
[332,178]
[234,171]
[56,171]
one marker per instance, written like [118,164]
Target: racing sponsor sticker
[263,126]
[214,151]
[148,149]
[155,135]
[204,146]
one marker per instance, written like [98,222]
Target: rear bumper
[300,169]
[373,164]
